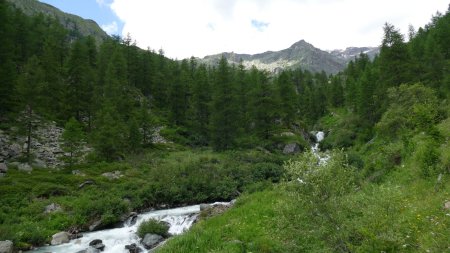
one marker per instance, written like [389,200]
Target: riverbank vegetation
[224,128]
[154,180]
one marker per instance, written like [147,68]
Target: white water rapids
[323,158]
[180,219]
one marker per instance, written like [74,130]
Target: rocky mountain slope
[300,54]
[84,27]
[350,53]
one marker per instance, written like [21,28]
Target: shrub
[264,171]
[153,226]
[428,158]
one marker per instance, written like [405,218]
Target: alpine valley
[106,147]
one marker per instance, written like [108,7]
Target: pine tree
[72,141]
[178,95]
[109,135]
[287,98]
[7,70]
[29,87]
[200,106]
[134,136]
[145,123]
[394,58]
[223,120]
[78,80]
[262,105]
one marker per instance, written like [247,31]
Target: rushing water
[323,158]
[180,219]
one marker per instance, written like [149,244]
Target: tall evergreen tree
[262,105]
[223,120]
[29,87]
[287,98]
[72,141]
[7,70]
[200,106]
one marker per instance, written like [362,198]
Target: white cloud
[201,27]
[111,29]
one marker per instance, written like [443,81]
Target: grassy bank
[340,208]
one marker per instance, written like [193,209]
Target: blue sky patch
[97,10]
[260,25]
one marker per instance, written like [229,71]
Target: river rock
[204,206]
[131,218]
[97,244]
[92,250]
[6,246]
[52,208]
[133,248]
[291,148]
[151,240]
[214,210]
[60,238]
[24,167]
[95,225]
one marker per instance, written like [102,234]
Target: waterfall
[323,158]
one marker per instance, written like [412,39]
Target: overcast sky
[184,28]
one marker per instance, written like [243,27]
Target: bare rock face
[45,145]
[60,238]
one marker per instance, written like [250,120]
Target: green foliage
[149,180]
[72,140]
[223,120]
[412,108]
[153,226]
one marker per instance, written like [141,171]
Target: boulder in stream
[133,248]
[60,238]
[204,206]
[151,240]
[97,244]
[6,246]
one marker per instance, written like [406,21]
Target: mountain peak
[300,43]
[300,55]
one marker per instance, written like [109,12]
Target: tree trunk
[29,130]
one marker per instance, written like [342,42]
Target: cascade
[180,219]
